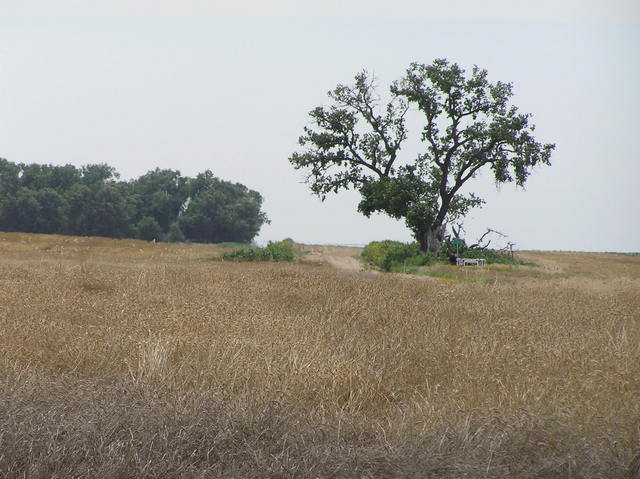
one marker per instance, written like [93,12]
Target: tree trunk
[432,239]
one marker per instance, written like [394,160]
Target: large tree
[161,195]
[468,124]
[221,211]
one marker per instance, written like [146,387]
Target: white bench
[470,262]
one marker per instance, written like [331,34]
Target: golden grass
[125,358]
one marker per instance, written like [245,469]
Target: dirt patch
[340,257]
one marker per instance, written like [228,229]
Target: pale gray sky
[227,86]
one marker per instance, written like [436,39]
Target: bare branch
[457,231]
[478,244]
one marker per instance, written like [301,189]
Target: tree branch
[478,244]
[357,159]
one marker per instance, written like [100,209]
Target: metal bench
[470,262]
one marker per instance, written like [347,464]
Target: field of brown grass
[120,358]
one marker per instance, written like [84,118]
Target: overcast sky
[227,86]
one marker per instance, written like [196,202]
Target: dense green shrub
[490,256]
[281,250]
[277,251]
[148,229]
[402,257]
[174,235]
[384,254]
[245,254]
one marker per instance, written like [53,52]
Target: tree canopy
[468,124]
[161,205]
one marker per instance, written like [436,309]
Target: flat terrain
[120,358]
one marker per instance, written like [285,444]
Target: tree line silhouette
[160,205]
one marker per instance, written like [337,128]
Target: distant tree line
[92,201]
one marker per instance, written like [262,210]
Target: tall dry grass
[127,359]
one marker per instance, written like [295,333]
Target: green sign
[457,242]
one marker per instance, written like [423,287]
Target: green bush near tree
[274,251]
[395,256]
[281,250]
[489,255]
[388,254]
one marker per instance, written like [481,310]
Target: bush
[245,254]
[402,257]
[148,229]
[384,254]
[490,256]
[174,235]
[281,250]
[278,251]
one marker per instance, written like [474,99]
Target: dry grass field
[120,358]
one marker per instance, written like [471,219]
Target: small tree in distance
[148,229]
[174,235]
[468,124]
